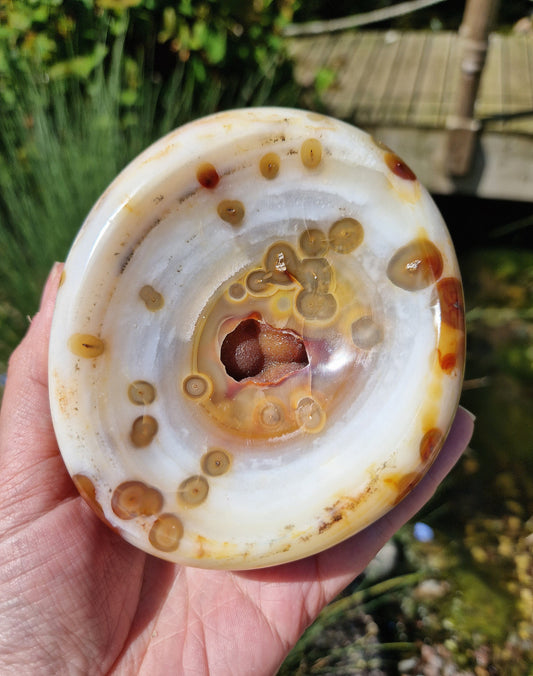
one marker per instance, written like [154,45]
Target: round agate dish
[258,343]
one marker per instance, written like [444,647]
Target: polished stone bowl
[258,343]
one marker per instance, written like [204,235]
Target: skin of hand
[77,599]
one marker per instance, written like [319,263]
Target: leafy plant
[85,85]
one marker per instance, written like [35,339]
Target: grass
[63,144]
[344,637]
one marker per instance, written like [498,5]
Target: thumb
[27,439]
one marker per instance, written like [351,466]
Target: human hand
[75,598]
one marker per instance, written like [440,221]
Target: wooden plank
[297,49]
[517,92]
[418,89]
[518,85]
[490,96]
[426,110]
[378,79]
[343,98]
[524,125]
[336,97]
[451,80]
[503,164]
[310,57]
[410,79]
[404,78]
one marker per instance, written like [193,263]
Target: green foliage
[85,85]
[217,40]
[324,79]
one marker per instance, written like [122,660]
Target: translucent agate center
[281,344]
[258,351]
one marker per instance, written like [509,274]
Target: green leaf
[215,47]
[185,8]
[20,21]
[198,69]
[128,97]
[199,37]
[324,78]
[78,66]
[169,25]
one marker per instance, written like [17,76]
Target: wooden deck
[401,86]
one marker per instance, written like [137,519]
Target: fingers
[342,563]
[25,409]
[27,440]
[457,441]
[338,566]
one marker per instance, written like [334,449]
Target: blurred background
[85,85]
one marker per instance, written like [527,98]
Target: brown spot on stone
[269,165]
[311,153]
[193,491]
[152,299]
[207,176]
[282,263]
[271,414]
[431,444]
[88,492]
[141,393]
[315,275]
[447,362]
[403,485]
[143,430]
[416,265]
[345,235]
[236,291]
[399,167]
[366,333]
[166,533]
[310,415]
[196,386]
[313,242]
[339,510]
[452,310]
[231,211]
[216,462]
[316,306]
[134,498]
[86,345]
[258,282]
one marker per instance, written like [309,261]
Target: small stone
[429,590]
[407,665]
[383,563]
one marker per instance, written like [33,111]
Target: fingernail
[56,270]
[468,413]
[54,274]
[52,282]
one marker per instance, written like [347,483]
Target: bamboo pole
[463,128]
[356,20]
